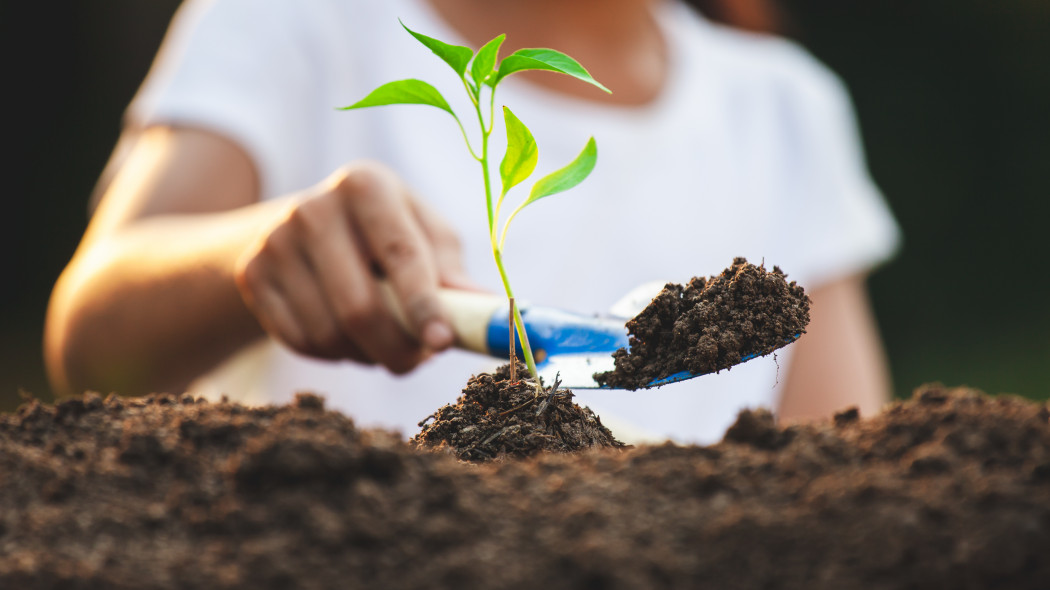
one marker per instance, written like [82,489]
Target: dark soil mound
[710,325]
[948,491]
[498,418]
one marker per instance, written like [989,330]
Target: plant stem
[513,356]
[523,337]
[484,161]
[497,252]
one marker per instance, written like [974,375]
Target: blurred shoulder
[746,58]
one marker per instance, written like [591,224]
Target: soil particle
[709,325]
[946,491]
[758,428]
[496,418]
[847,416]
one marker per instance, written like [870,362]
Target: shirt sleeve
[835,216]
[237,68]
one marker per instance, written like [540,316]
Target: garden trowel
[569,346]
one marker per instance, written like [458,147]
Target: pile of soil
[709,325]
[948,490]
[497,418]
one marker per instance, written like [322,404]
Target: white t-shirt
[750,150]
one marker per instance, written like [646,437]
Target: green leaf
[456,56]
[544,59]
[567,177]
[485,61]
[520,159]
[409,91]
[556,182]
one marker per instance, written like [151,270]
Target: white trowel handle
[470,312]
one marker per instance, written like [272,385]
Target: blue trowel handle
[479,321]
[554,332]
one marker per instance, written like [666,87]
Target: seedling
[481,72]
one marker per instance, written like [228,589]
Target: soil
[948,490]
[497,418]
[710,324]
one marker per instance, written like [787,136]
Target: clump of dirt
[497,418]
[709,325]
[950,490]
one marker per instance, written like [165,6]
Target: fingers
[380,210]
[446,245]
[335,254]
[277,285]
[314,278]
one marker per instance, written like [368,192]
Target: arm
[839,362]
[181,265]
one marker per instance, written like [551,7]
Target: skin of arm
[181,265]
[840,361]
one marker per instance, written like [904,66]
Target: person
[243,224]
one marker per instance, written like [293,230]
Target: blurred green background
[953,99]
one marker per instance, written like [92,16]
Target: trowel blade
[575,371]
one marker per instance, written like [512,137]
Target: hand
[313,278]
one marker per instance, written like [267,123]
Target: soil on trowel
[497,418]
[710,324]
[950,490]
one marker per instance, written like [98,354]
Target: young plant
[481,72]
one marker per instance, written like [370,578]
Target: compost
[497,417]
[948,490]
[710,324]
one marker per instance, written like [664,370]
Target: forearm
[151,306]
[840,361]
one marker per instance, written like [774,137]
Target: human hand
[313,278]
